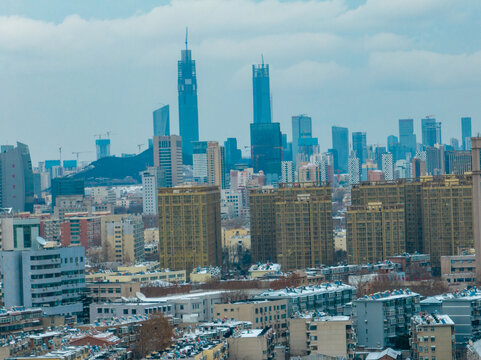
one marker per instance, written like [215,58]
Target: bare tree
[155,335]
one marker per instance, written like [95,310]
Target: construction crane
[140,146]
[77,153]
[108,133]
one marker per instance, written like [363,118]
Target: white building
[354,167]
[387,166]
[288,172]
[232,202]
[402,169]
[151,180]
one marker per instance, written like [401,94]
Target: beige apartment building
[260,313]
[122,238]
[325,335]
[253,344]
[216,164]
[432,337]
[458,271]
[107,291]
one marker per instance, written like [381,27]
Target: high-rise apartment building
[435,158]
[359,145]
[340,143]
[199,161]
[16,178]
[476,178]
[466,132]
[266,149]
[261,93]
[168,157]
[457,162]
[103,148]
[66,186]
[447,214]
[152,179]
[81,231]
[292,225]
[188,112]
[387,166]
[407,138]
[189,227]
[216,165]
[123,238]
[374,232]
[288,172]
[161,121]
[354,167]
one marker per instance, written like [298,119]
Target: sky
[72,69]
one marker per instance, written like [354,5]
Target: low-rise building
[121,310]
[416,266]
[254,344]
[262,270]
[458,271]
[20,320]
[140,277]
[110,291]
[382,317]
[316,333]
[329,298]
[463,307]
[205,274]
[432,336]
[260,313]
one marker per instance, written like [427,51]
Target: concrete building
[142,276]
[232,202]
[354,169]
[189,227]
[261,270]
[16,178]
[476,179]
[387,166]
[152,179]
[111,291]
[216,165]
[260,313]
[123,238]
[20,321]
[375,232]
[168,157]
[458,271]
[432,336]
[18,234]
[255,344]
[463,307]
[52,279]
[81,230]
[292,225]
[325,335]
[308,172]
[205,274]
[328,297]
[288,172]
[124,309]
[380,318]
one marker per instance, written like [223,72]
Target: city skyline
[313,77]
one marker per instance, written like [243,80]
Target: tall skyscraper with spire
[188,113]
[261,92]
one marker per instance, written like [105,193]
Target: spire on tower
[186,35]
[262,57]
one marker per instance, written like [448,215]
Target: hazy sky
[72,69]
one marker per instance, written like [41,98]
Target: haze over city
[71,70]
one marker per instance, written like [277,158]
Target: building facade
[168,158]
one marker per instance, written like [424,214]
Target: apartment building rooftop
[433,319]
[306,290]
[265,267]
[388,295]
[466,294]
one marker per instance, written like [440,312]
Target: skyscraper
[387,166]
[161,121]
[199,162]
[301,129]
[103,148]
[16,178]
[168,157]
[189,227]
[359,145]
[466,131]
[188,113]
[354,165]
[266,150]
[431,131]
[340,143]
[216,165]
[407,138]
[261,93]
[232,154]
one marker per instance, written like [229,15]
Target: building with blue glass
[466,132]
[340,145]
[261,93]
[188,112]
[161,121]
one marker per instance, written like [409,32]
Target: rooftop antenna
[186,35]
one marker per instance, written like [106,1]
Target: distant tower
[466,132]
[261,93]
[340,143]
[387,166]
[103,148]
[161,121]
[188,113]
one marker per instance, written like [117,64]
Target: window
[126,311]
